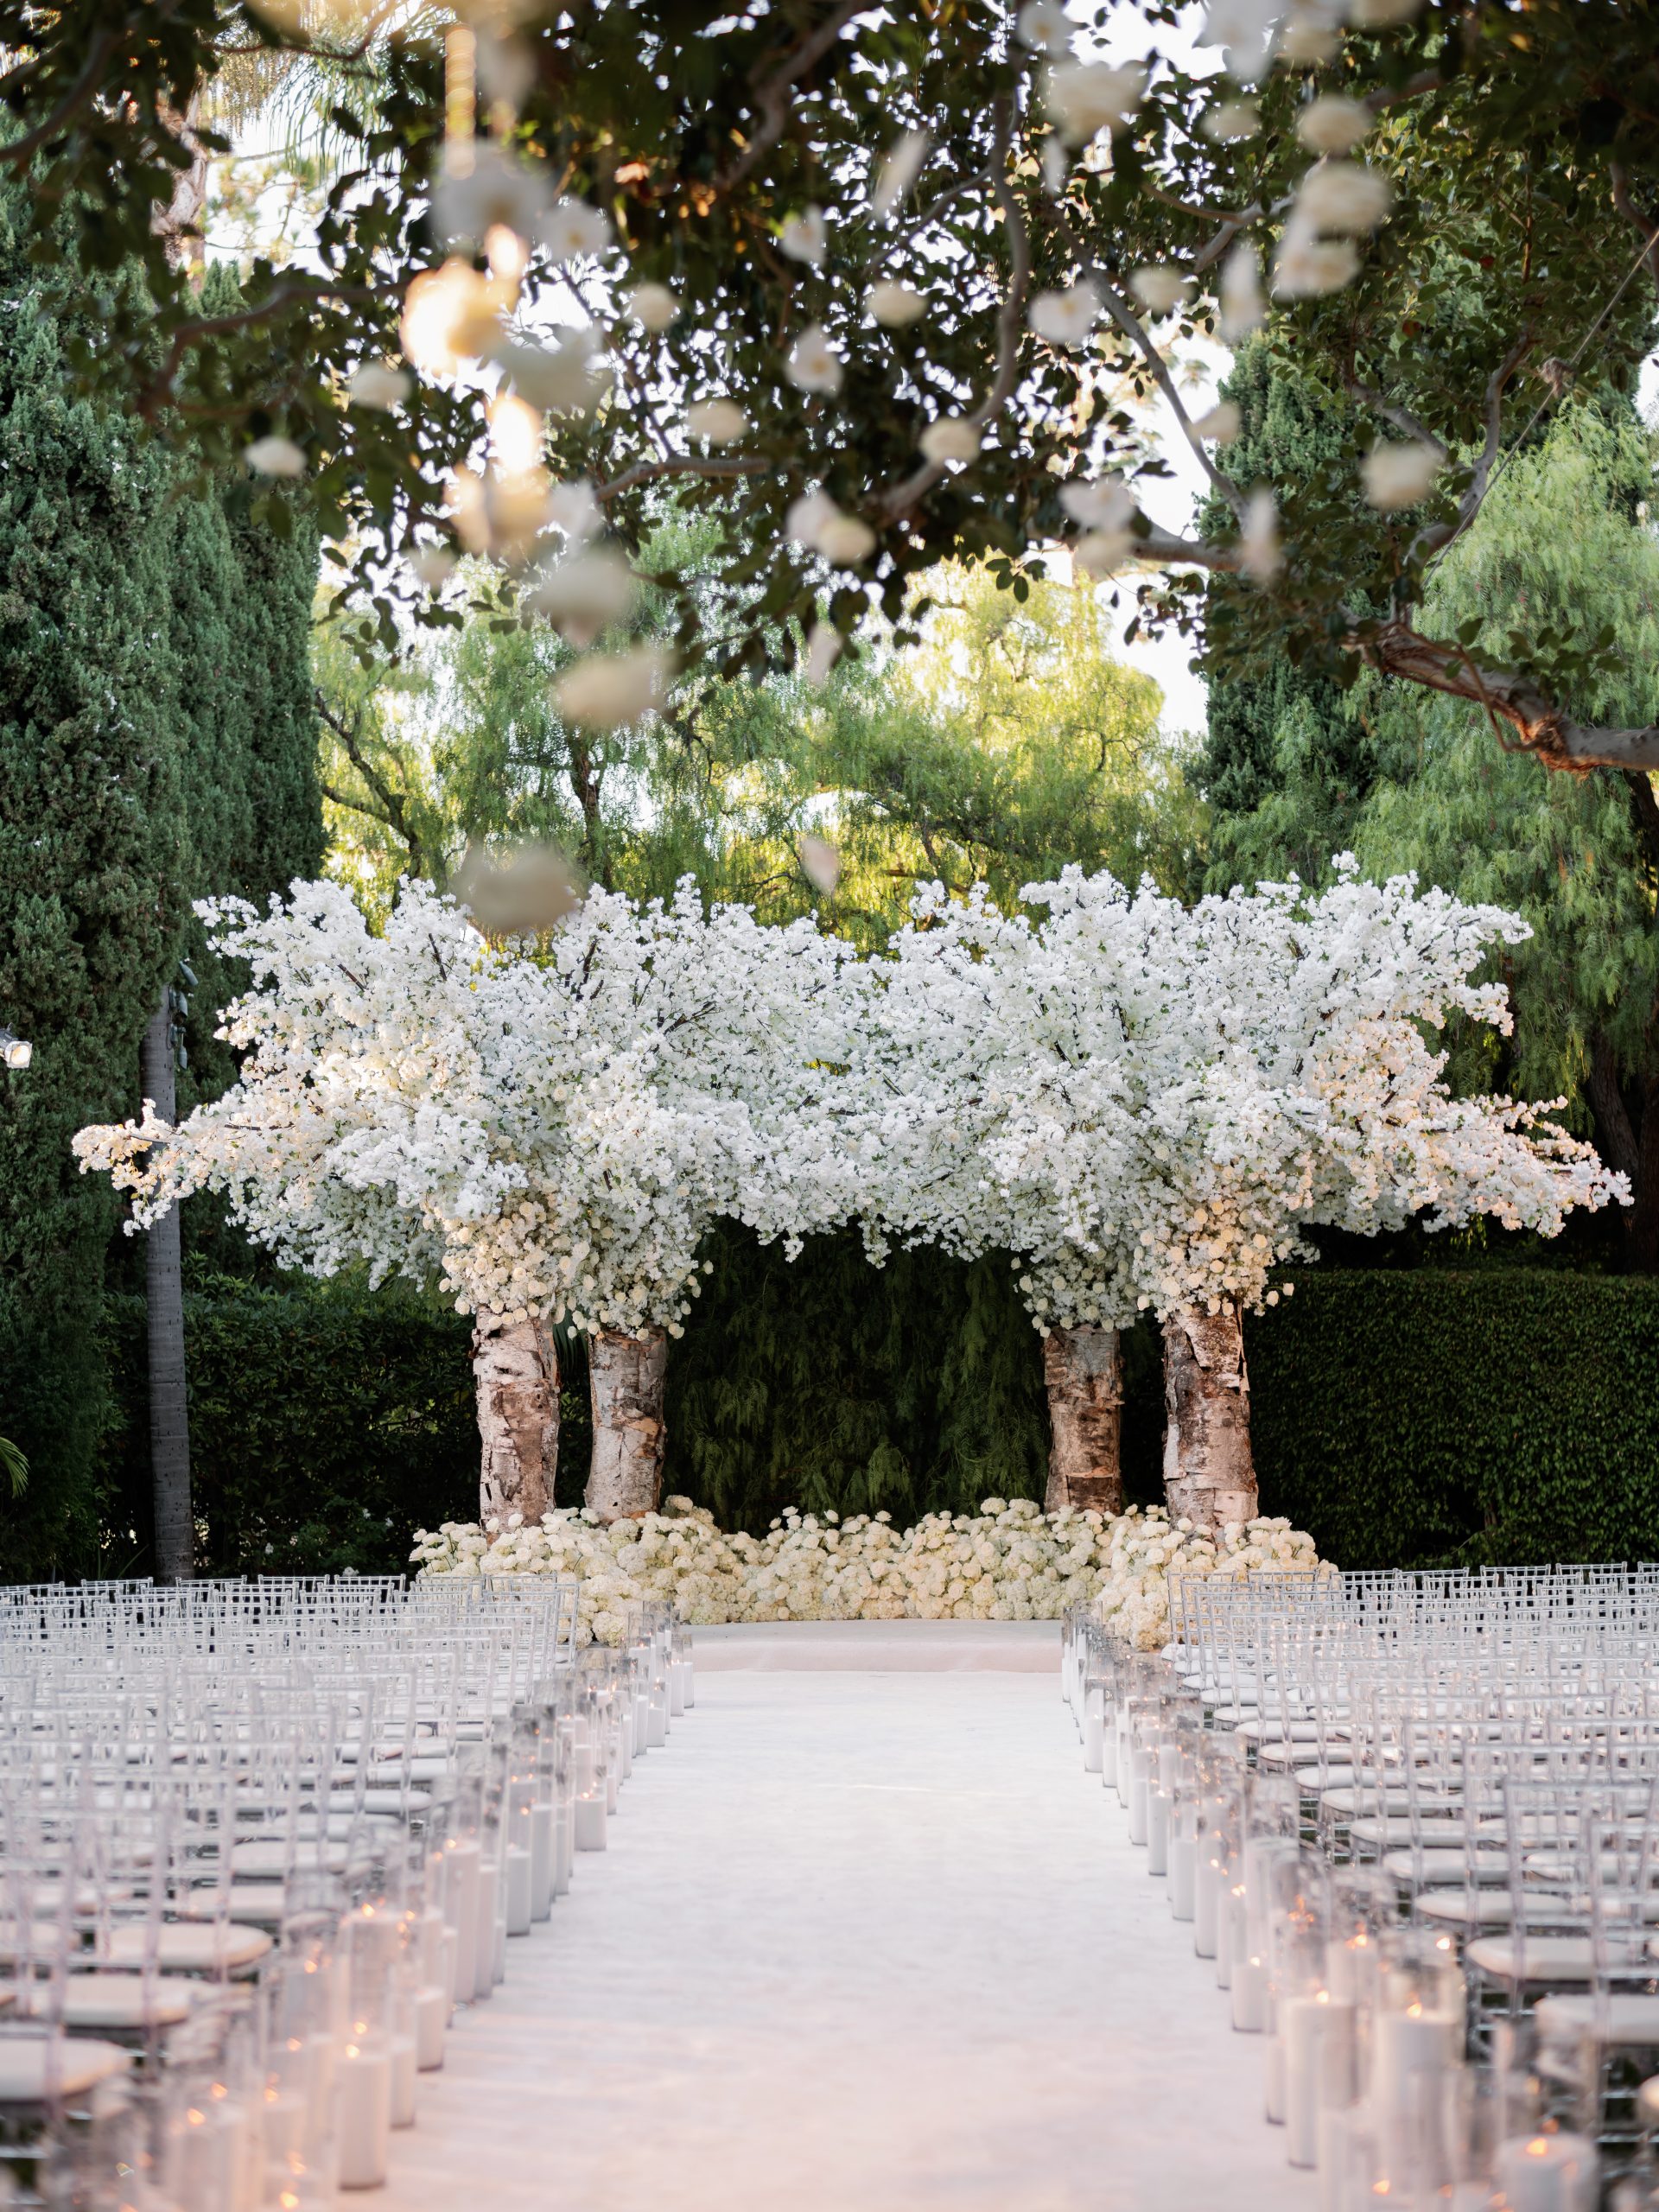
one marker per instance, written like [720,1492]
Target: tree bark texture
[1208,1474]
[1083,1376]
[516,1375]
[626,1377]
[169,1409]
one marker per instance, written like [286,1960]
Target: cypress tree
[155,745]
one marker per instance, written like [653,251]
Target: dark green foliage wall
[1437,1413]
[829,1382]
[1403,1414]
[327,1421]
[155,746]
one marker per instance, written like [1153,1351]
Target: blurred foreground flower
[530,895]
[609,690]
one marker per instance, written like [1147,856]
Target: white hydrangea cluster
[1010,1561]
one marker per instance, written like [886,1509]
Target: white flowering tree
[1211,1083]
[955,1022]
[546,1132]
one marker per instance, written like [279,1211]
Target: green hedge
[1435,1413]
[1403,1415]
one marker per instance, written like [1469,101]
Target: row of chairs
[260,1840]
[1414,1819]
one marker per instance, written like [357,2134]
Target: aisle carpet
[863,1941]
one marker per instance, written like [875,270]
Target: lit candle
[1094,1730]
[1318,2040]
[1157,1832]
[1206,1902]
[1109,1748]
[431,2019]
[1547,2173]
[1416,2041]
[520,1888]
[365,2114]
[543,1857]
[590,1824]
[488,1908]
[404,2067]
[1249,1992]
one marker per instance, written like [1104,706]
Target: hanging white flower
[1310,32]
[897,171]
[1399,475]
[1085,98]
[653,306]
[1261,554]
[721,422]
[1243,308]
[431,566]
[822,651]
[487,187]
[572,231]
[1222,422]
[1159,290]
[612,690]
[1107,504]
[380,386]
[893,305]
[813,364]
[1333,123]
[803,238]
[953,437]
[1345,197]
[584,594]
[816,522]
[1307,267]
[1232,122]
[275,456]
[1045,25]
[1103,553]
[1065,318]
[568,378]
[821,864]
[1244,30]
[573,508]
[450,314]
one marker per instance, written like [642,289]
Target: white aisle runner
[862,1942]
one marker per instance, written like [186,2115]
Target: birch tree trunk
[170,1409]
[1208,1474]
[1085,1380]
[516,1374]
[626,1375]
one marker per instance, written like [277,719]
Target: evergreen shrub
[1404,1416]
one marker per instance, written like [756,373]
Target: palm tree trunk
[1208,1474]
[169,1410]
[626,1375]
[516,1375]
[1083,1377]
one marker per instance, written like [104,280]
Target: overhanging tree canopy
[772,171]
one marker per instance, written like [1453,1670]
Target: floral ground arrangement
[1010,1561]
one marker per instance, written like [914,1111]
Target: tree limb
[1438,536]
[1401,417]
[83,89]
[772,92]
[1647,222]
[159,389]
[396,816]
[1010,322]
[646,472]
[1540,727]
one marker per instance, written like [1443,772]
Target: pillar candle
[1109,1748]
[365,2114]
[1274,2085]
[1248,1985]
[460,1866]
[404,2069]
[1206,1902]
[676,1688]
[564,1848]
[590,1824]
[1157,1833]
[1318,2034]
[1137,1803]
[484,1936]
[1415,2041]
[1183,1876]
[519,1887]
[1547,2173]
[1094,1730]
[431,2019]
[543,1857]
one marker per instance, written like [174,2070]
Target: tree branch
[646,472]
[159,389]
[1647,223]
[1010,322]
[1129,323]
[1540,727]
[772,92]
[83,89]
[1401,417]
[396,816]
[1438,536]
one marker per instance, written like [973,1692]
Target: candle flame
[1414,2011]
[1538,2148]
